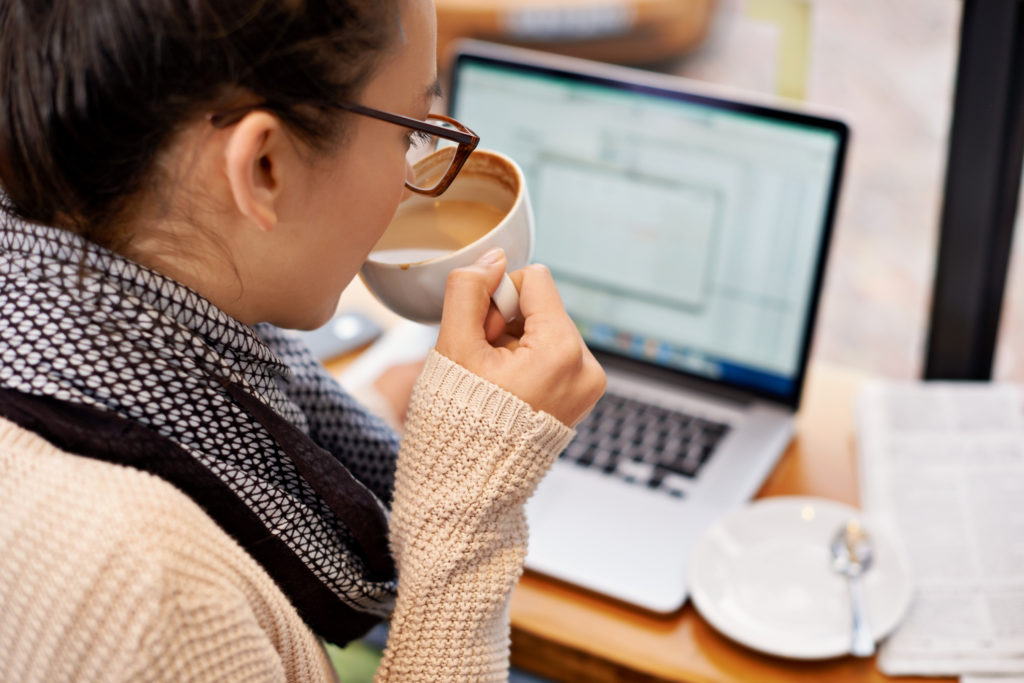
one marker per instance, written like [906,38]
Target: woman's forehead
[411,71]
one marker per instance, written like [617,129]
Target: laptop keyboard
[644,444]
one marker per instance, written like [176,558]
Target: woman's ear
[254,156]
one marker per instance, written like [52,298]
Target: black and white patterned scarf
[84,326]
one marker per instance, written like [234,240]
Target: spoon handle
[862,644]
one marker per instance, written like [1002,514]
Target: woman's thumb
[467,295]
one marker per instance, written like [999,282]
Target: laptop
[688,234]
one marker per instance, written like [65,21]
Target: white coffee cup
[485,207]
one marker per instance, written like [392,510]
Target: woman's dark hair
[91,91]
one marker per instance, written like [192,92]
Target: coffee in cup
[485,207]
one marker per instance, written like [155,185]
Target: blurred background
[887,68]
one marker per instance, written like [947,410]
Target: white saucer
[762,576]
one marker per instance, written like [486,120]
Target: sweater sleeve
[473,453]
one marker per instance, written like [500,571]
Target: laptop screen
[684,231]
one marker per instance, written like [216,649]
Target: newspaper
[942,464]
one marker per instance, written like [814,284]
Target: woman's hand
[542,359]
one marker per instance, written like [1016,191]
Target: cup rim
[436,259]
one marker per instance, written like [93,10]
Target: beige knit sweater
[111,574]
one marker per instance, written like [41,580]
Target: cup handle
[506,299]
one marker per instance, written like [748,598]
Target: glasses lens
[429,175]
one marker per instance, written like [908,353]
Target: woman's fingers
[538,292]
[494,325]
[467,301]
[570,380]
[541,359]
[498,330]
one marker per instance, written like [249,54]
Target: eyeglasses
[426,137]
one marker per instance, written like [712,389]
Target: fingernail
[491,257]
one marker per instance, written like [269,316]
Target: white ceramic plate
[762,576]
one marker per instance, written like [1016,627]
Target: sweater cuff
[507,413]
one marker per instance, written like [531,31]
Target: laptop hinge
[677,379]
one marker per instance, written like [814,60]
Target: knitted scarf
[84,327]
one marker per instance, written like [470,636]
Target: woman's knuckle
[462,278]
[595,378]
[571,358]
[459,275]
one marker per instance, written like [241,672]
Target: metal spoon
[851,556]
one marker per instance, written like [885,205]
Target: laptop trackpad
[611,537]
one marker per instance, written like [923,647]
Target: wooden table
[566,634]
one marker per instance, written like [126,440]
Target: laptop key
[657,478]
[635,471]
[644,443]
[587,457]
[681,466]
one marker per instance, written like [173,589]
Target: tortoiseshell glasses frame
[465,139]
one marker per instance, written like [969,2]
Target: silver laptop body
[687,233]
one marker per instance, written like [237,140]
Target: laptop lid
[687,232]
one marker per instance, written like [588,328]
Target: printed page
[943,465]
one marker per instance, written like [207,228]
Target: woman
[184,493]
